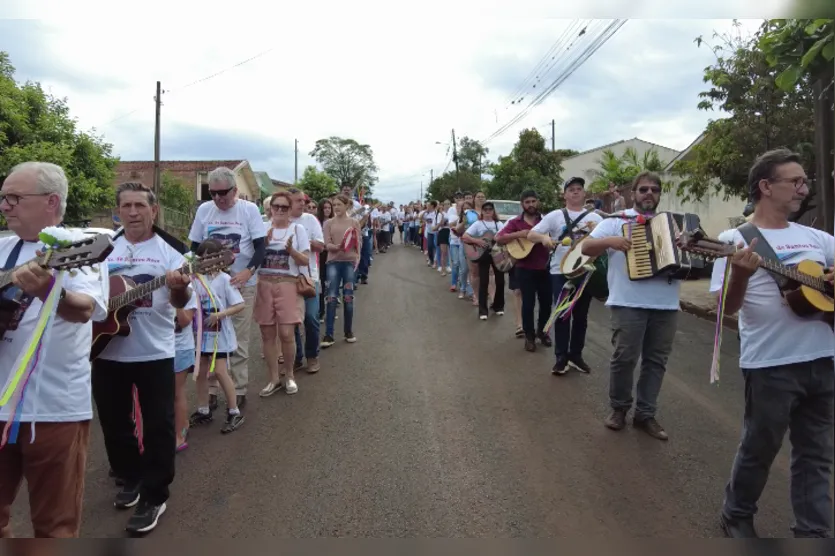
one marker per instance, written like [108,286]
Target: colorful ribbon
[198,348]
[568,298]
[720,321]
[17,384]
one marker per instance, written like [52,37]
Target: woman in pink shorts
[278,305]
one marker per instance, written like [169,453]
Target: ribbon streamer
[720,320]
[200,332]
[17,384]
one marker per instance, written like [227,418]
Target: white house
[585,164]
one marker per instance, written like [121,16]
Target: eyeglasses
[797,182]
[645,189]
[220,192]
[14,198]
[280,208]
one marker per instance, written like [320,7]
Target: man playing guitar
[786,360]
[140,366]
[34,197]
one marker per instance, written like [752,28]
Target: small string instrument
[125,295]
[807,294]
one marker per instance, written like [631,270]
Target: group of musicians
[786,359]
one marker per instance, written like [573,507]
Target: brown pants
[54,471]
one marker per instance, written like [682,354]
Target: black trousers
[113,393]
[484,266]
[536,286]
[570,334]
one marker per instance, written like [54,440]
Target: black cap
[572,181]
[490,204]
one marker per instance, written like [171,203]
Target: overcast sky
[399,83]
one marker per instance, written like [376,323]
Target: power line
[584,55]
[201,80]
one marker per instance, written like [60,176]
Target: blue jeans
[340,274]
[430,247]
[365,257]
[311,329]
[463,271]
[797,398]
[437,250]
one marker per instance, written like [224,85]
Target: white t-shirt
[481,227]
[59,389]
[184,339]
[236,228]
[277,260]
[770,333]
[652,293]
[314,233]
[225,295]
[553,224]
[152,323]
[429,219]
[453,237]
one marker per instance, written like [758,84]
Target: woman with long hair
[341,269]
[488,223]
[278,305]
[324,214]
[460,263]
[443,238]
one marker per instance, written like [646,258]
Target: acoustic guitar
[125,296]
[807,295]
[475,252]
[520,248]
[85,252]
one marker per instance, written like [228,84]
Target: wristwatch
[62,295]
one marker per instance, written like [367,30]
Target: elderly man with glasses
[238,224]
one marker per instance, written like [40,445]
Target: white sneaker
[291,387]
[483,317]
[500,313]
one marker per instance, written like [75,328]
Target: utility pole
[455,159]
[158,101]
[421,191]
[553,136]
[296,171]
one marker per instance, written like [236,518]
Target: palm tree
[622,170]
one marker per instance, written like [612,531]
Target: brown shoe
[530,345]
[651,427]
[616,419]
[313,365]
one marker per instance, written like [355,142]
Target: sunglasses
[220,192]
[281,207]
[644,190]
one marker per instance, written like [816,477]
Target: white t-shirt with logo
[235,228]
[452,216]
[152,323]
[429,218]
[277,260]
[224,295]
[553,225]
[59,389]
[482,227]
[184,339]
[770,333]
[314,233]
[653,293]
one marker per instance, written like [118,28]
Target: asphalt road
[435,424]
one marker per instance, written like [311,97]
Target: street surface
[435,424]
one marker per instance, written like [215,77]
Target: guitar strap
[12,260]
[569,227]
[750,232]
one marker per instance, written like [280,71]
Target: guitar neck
[6,275]
[794,275]
[135,294]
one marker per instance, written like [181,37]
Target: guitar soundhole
[576,264]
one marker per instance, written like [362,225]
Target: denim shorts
[183,359]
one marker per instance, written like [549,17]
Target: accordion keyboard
[638,259]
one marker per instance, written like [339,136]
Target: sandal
[280,359]
[270,389]
[520,332]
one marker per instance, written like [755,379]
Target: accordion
[655,249]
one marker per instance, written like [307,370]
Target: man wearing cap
[530,273]
[558,230]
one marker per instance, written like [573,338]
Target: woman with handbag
[342,241]
[279,295]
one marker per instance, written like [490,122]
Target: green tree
[174,193]
[347,160]
[317,184]
[472,155]
[621,170]
[445,186]
[798,46]
[762,117]
[566,153]
[530,165]
[37,126]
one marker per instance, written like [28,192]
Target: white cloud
[399,83]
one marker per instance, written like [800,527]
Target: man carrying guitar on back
[142,364]
[786,360]
[34,197]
